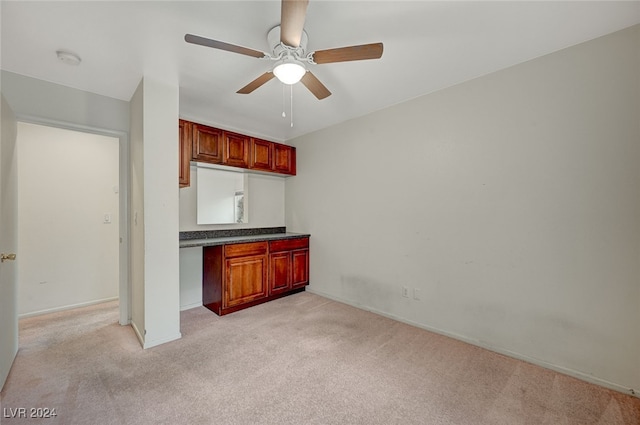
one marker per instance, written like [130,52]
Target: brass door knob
[4,257]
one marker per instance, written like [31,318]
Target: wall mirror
[222,196]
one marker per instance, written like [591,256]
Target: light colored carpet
[302,359]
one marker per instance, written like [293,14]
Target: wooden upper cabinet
[216,146]
[284,159]
[207,144]
[261,155]
[236,150]
[185,153]
[274,157]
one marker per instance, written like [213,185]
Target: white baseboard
[190,306]
[138,333]
[560,369]
[66,307]
[149,344]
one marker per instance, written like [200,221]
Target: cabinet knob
[4,257]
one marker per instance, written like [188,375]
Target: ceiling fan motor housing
[273,38]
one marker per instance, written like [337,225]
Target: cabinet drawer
[242,249]
[288,244]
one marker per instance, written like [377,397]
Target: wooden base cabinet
[237,276]
[245,268]
[300,267]
[289,264]
[279,272]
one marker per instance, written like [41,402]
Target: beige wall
[510,202]
[8,240]
[161,212]
[67,182]
[266,204]
[42,100]
[136,213]
[46,103]
[154,213]
[266,209]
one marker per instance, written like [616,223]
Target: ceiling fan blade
[267,76]
[350,53]
[292,15]
[194,39]
[315,86]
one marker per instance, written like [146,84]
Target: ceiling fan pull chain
[291,103]
[284,115]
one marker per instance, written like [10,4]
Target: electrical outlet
[416,294]
[405,292]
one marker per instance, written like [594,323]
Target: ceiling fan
[288,42]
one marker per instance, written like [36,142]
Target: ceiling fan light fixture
[289,71]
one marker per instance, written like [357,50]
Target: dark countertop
[188,243]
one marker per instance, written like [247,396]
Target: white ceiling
[428,45]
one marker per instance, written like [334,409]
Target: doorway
[69,219]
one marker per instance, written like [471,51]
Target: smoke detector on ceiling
[68,57]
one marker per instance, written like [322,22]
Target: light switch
[107,219]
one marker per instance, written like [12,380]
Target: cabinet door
[299,267]
[261,155]
[284,159]
[236,150]
[185,153]
[280,272]
[246,280]
[207,144]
